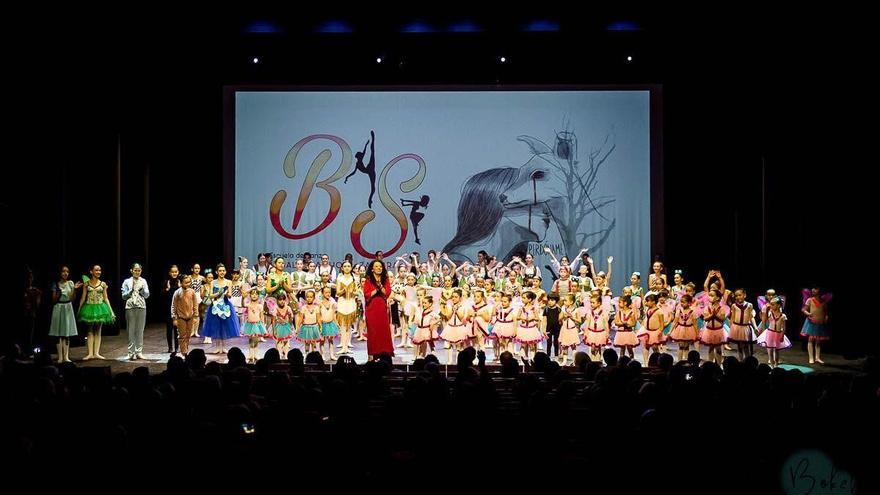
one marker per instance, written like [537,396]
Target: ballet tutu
[651,337]
[454,333]
[256,329]
[221,322]
[710,336]
[96,313]
[568,338]
[329,330]
[741,334]
[282,331]
[773,340]
[596,339]
[624,338]
[684,334]
[309,334]
[528,335]
[815,331]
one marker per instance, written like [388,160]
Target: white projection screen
[458,171]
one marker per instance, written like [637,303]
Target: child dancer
[742,324]
[346,309]
[253,327]
[570,318]
[135,292]
[197,281]
[625,321]
[527,333]
[504,326]
[712,333]
[205,304]
[63,324]
[457,316]
[652,328]
[677,290]
[552,323]
[773,338]
[425,320]
[685,331]
[635,284]
[815,329]
[411,302]
[237,299]
[184,313]
[596,328]
[482,316]
[309,332]
[657,275]
[221,322]
[95,311]
[329,328]
[282,330]
[172,283]
[564,284]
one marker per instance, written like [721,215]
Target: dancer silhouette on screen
[369,169]
[414,215]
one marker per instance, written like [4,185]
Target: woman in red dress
[377,294]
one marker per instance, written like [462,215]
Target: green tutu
[96,313]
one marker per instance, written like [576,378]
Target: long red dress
[378,321]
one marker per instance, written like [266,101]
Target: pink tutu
[424,334]
[504,329]
[651,337]
[568,338]
[596,339]
[528,335]
[625,338]
[453,333]
[682,333]
[773,340]
[741,334]
[710,336]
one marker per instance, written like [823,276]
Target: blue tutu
[815,331]
[309,333]
[282,331]
[253,329]
[221,322]
[412,329]
[330,329]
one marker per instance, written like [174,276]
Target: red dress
[378,321]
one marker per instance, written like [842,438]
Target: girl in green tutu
[95,311]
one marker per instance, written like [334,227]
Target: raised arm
[553,261]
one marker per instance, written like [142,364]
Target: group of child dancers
[439,303]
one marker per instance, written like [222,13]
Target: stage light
[503,59]
[256,60]
[629,58]
[542,25]
[334,27]
[464,27]
[263,27]
[378,60]
[418,27]
[623,26]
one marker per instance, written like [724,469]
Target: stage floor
[114,348]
